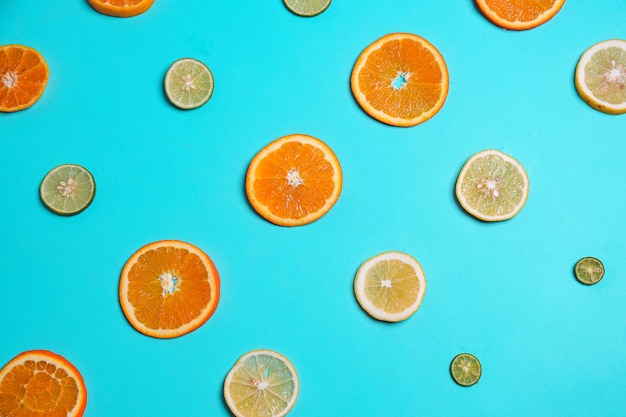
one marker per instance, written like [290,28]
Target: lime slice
[307,8]
[188,83]
[465,369]
[589,270]
[601,76]
[262,383]
[492,186]
[67,189]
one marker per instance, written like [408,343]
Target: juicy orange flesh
[606,77]
[121,3]
[23,76]
[392,286]
[503,175]
[519,10]
[420,88]
[273,189]
[36,389]
[253,373]
[159,309]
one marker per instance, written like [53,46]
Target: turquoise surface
[505,292]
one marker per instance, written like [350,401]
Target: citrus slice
[390,286]
[589,270]
[67,189]
[23,77]
[262,383]
[169,288]
[294,180]
[519,14]
[601,76]
[41,383]
[121,8]
[465,369]
[400,79]
[188,83]
[492,186]
[307,8]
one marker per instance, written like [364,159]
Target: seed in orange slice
[41,383]
[390,286]
[519,14]
[23,77]
[121,8]
[401,80]
[169,288]
[294,180]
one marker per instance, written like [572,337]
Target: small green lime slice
[188,83]
[465,369]
[307,8]
[67,189]
[589,270]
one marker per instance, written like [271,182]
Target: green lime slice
[589,270]
[188,83]
[67,189]
[465,369]
[307,8]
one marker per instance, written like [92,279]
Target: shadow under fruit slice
[294,180]
[169,288]
[67,189]
[465,369]
[262,383]
[23,77]
[121,8]
[41,383]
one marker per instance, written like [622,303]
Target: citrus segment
[294,180]
[401,79]
[23,77]
[390,286]
[121,8]
[601,76]
[492,186]
[168,289]
[466,369]
[262,383]
[41,383]
[307,8]
[67,189]
[519,14]
[589,270]
[188,83]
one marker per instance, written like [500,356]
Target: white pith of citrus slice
[492,186]
[262,383]
[390,286]
[601,76]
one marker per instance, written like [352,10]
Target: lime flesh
[589,270]
[307,8]
[67,189]
[465,369]
[188,83]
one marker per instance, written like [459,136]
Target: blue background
[505,292]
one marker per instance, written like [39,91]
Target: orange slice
[41,383]
[121,8]
[294,180]
[169,288]
[401,79]
[23,77]
[519,14]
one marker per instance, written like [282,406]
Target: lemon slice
[589,270]
[262,383]
[67,189]
[188,83]
[492,186]
[601,76]
[307,8]
[465,369]
[390,286]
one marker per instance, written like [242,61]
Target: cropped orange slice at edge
[23,77]
[41,383]
[121,8]
[401,80]
[519,14]
[169,288]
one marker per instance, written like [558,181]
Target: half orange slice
[23,77]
